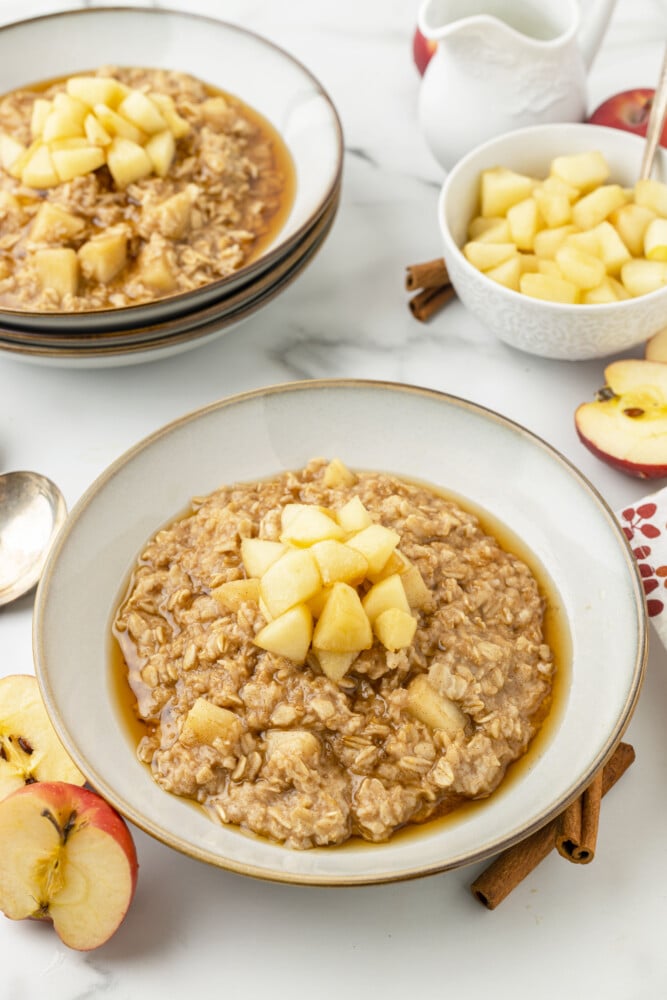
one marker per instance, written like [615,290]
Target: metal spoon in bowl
[655,122]
[32,510]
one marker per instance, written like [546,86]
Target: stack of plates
[236,61]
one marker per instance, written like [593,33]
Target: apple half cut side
[626,426]
[67,856]
[29,746]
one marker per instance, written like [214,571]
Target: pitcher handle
[595,16]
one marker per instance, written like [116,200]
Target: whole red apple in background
[628,110]
[422,50]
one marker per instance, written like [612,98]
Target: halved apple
[68,857]
[627,425]
[30,750]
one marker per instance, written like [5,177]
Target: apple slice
[656,347]
[67,857]
[627,426]
[30,750]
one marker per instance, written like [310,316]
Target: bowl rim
[581,308]
[415,868]
[265,260]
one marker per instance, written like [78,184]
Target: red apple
[628,110]
[422,50]
[627,425]
[29,747]
[66,856]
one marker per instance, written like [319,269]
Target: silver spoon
[32,510]
[655,122]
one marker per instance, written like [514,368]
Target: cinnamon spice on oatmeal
[430,274]
[509,869]
[578,825]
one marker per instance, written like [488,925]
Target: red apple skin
[92,810]
[629,468]
[422,50]
[628,110]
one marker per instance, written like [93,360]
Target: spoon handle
[656,118]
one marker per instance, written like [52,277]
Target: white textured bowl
[558,515]
[552,330]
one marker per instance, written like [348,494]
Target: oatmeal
[353,733]
[168,187]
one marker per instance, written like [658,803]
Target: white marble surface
[596,931]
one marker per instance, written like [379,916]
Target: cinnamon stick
[430,274]
[424,304]
[578,825]
[510,868]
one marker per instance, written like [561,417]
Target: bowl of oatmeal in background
[255,167]
[585,571]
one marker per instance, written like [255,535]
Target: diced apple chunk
[290,511]
[39,171]
[395,629]
[231,595]
[258,554]
[612,250]
[487,255]
[311,525]
[631,222]
[396,563]
[53,224]
[40,110]
[337,561]
[177,124]
[289,634]
[433,708]
[609,290]
[127,161]
[161,149]
[508,273]
[555,207]
[655,240]
[582,269]
[334,665]
[501,188]
[652,194]
[154,268]
[353,516]
[524,222]
[376,543]
[550,288]
[343,625]
[416,591]
[294,578]
[207,722]
[337,474]
[70,163]
[388,593]
[480,226]
[116,125]
[58,269]
[10,150]
[104,256]
[640,277]
[139,109]
[94,90]
[547,241]
[595,207]
[584,171]
[96,134]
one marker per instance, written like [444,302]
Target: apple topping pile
[97,120]
[571,237]
[338,569]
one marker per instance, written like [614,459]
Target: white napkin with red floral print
[645,527]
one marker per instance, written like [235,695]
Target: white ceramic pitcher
[504,64]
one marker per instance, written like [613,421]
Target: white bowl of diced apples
[554,244]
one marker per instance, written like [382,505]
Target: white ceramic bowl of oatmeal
[587,571]
[570,332]
[266,162]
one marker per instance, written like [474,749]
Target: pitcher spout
[595,17]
